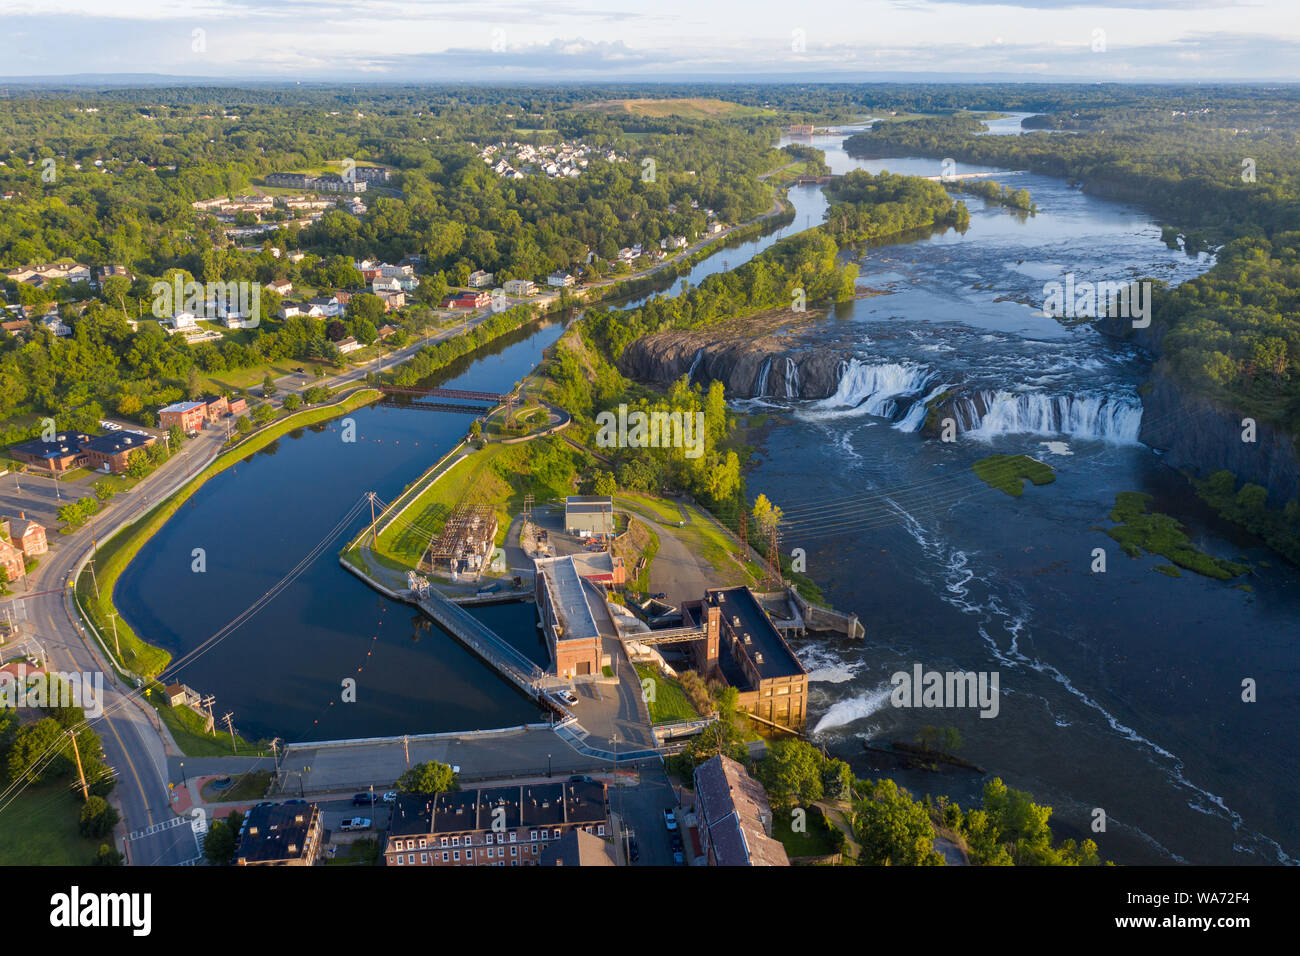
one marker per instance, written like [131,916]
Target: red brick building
[190,416]
[496,826]
[572,610]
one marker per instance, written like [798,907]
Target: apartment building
[493,826]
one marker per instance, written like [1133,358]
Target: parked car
[294,802]
[363,799]
[633,851]
[659,595]
[390,796]
[265,803]
[356,823]
[670,820]
[581,778]
[568,696]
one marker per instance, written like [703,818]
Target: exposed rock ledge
[738,353]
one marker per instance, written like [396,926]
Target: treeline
[1248,507]
[995,193]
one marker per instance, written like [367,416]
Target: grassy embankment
[668,702]
[1138,531]
[1007,473]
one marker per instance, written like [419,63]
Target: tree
[837,780]
[604,483]
[268,386]
[427,779]
[219,844]
[108,856]
[766,515]
[137,464]
[893,829]
[292,401]
[193,384]
[791,773]
[104,492]
[31,744]
[97,818]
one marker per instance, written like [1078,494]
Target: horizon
[506,42]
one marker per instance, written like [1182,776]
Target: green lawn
[815,842]
[247,786]
[40,828]
[669,703]
[187,730]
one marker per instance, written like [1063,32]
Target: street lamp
[548,766]
[184,780]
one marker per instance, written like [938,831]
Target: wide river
[1119,691]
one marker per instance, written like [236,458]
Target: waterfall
[791,378]
[915,416]
[874,389]
[699,357]
[761,388]
[1094,417]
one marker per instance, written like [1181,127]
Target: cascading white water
[1094,417]
[699,357]
[791,378]
[874,389]
[915,416]
[761,388]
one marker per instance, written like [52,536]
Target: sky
[496,41]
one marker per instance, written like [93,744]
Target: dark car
[301,370]
[580,778]
[679,856]
[659,596]
[633,851]
[265,803]
[294,802]
[363,799]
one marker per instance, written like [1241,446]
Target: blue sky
[537,40]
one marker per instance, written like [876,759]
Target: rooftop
[735,812]
[525,805]
[568,598]
[277,833]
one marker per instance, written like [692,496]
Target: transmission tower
[773,560]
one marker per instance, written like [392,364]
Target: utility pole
[85,792]
[231,727]
[207,702]
[116,647]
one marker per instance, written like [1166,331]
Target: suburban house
[25,535]
[190,416]
[735,819]
[559,280]
[284,835]
[104,273]
[586,515]
[493,826]
[280,286]
[42,274]
[348,345]
[467,300]
[480,279]
[743,646]
[520,287]
[574,616]
[392,300]
[11,559]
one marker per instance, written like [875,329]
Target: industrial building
[743,646]
[586,515]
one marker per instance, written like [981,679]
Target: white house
[520,287]
[480,279]
[559,280]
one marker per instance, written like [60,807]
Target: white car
[390,796]
[568,696]
[356,823]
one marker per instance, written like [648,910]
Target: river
[1120,691]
